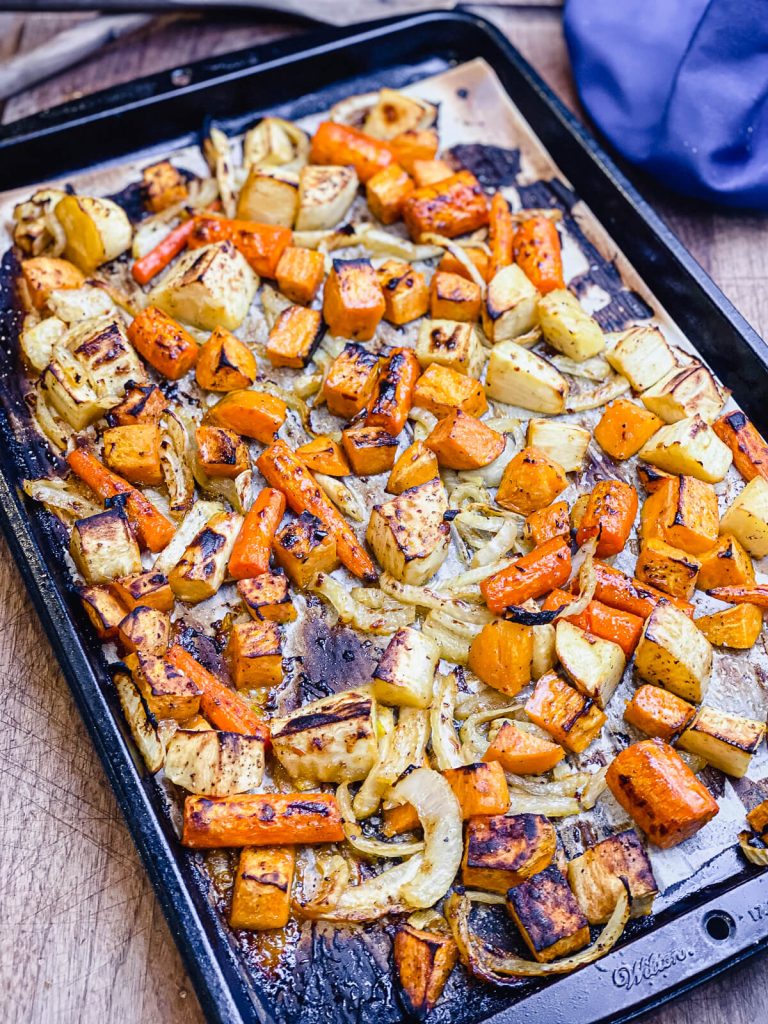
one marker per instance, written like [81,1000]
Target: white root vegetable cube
[510,306]
[674,654]
[452,344]
[569,328]
[70,391]
[143,725]
[37,340]
[642,355]
[325,195]
[104,548]
[522,378]
[406,673]
[269,198]
[201,569]
[408,534]
[564,443]
[685,392]
[689,447]
[594,666]
[726,741]
[101,345]
[747,518]
[597,877]
[214,763]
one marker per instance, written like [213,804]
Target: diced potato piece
[501,655]
[416,465]
[353,302]
[325,195]
[522,753]
[295,336]
[725,741]
[103,609]
[673,653]
[747,517]
[689,447]
[163,185]
[738,627]
[141,404]
[267,597]
[386,192]
[350,381]
[408,535]
[261,897]
[453,297]
[503,851]
[564,443]
[97,230]
[531,480]
[330,740]
[168,692]
[573,719]
[303,549]
[624,428]
[134,453]
[667,568]
[597,877]
[103,547]
[548,916]
[511,305]
[150,589]
[225,363]
[522,378]
[594,666]
[145,629]
[300,273]
[370,450]
[209,287]
[69,390]
[424,960]
[567,327]
[642,355]
[141,722]
[440,390]
[725,564]
[452,344]
[405,674]
[37,340]
[254,654]
[480,788]
[201,569]
[682,393]
[406,296]
[269,197]
[45,274]
[213,763]
[657,712]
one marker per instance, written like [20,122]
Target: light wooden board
[84,938]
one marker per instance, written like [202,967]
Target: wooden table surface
[84,937]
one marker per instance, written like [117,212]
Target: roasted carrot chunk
[480,788]
[537,253]
[250,413]
[521,752]
[450,207]
[462,442]
[622,628]
[283,470]
[500,655]
[167,249]
[479,258]
[657,788]
[250,555]
[392,396]
[406,296]
[750,451]
[134,452]
[618,590]
[353,303]
[261,819]
[370,450]
[300,273]
[221,452]
[225,363]
[659,713]
[386,192]
[531,480]
[140,404]
[415,145]
[415,466]
[737,627]
[453,297]
[548,522]
[726,564]
[624,428]
[501,235]
[441,390]
[335,143]
[532,575]
[261,244]
[349,383]
[609,516]
[163,342]
[753,593]
[324,455]
[295,336]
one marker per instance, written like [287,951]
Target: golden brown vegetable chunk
[548,916]
[168,691]
[303,549]
[134,452]
[424,960]
[350,381]
[254,654]
[266,597]
[145,629]
[503,850]
[597,877]
[261,898]
[567,715]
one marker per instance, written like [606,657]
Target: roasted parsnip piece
[406,672]
[594,666]
[452,344]
[726,741]
[201,569]
[598,877]
[408,535]
[522,378]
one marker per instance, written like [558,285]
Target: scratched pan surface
[626,269]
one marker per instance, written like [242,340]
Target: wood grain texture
[84,937]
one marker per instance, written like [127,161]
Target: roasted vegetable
[103,547]
[250,413]
[325,195]
[691,447]
[261,245]
[134,452]
[163,342]
[300,273]
[141,404]
[254,654]
[531,481]
[452,344]
[370,450]
[738,628]
[522,753]
[476,256]
[406,296]
[533,575]
[564,443]
[261,897]
[594,666]
[221,452]
[536,250]
[266,596]
[424,960]
[461,441]
[749,450]
[609,516]
[452,206]
[522,378]
[150,589]
[295,336]
[724,564]
[624,428]
[341,144]
[501,656]
[502,852]
[453,297]
[683,512]
[618,590]
[567,328]
[547,915]
[481,788]
[168,691]
[430,172]
[201,569]
[350,381]
[353,303]
[408,535]
[163,185]
[269,197]
[667,568]
[548,522]
[747,517]
[392,396]
[103,609]
[642,355]
[691,391]
[144,629]
[572,719]
[599,875]
[214,763]
[415,466]
[387,191]
[406,672]
[303,549]
[511,305]
[659,713]
[45,274]
[673,653]
[440,390]
[97,230]
[261,819]
[415,144]
[725,741]
[620,627]
[224,363]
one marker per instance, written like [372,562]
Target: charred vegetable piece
[406,296]
[144,629]
[415,144]
[683,512]
[738,627]
[103,609]
[623,628]
[758,818]
[643,356]
[251,551]
[548,522]
[324,455]
[440,390]
[531,481]
[201,569]
[689,391]
[747,517]
[103,547]
[408,535]
[503,851]
[609,516]
[225,363]
[370,450]
[168,690]
[254,654]
[295,336]
[45,274]
[618,590]
[501,234]
[668,568]
[689,447]
[511,306]
[214,763]
[141,404]
[726,564]
[659,713]
[726,741]
[350,381]
[164,343]
[300,273]
[673,653]
[598,876]
[163,185]
[325,195]
[479,258]
[261,898]
[269,197]
[480,788]
[266,597]
[416,465]
[750,452]
[567,327]
[134,452]
[250,413]
[262,245]
[392,396]
[548,916]
[594,666]
[424,961]
[452,206]
[501,656]
[353,303]
[532,575]
[221,452]
[335,143]
[386,192]
[461,441]
[453,297]
[261,819]
[150,589]
[406,672]
[304,548]
[521,752]
[452,344]
[571,718]
[624,428]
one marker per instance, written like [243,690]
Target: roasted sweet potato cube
[134,452]
[168,691]
[750,452]
[479,258]
[400,819]
[624,428]
[303,548]
[103,609]
[416,465]
[450,343]
[548,522]
[295,336]
[353,303]
[413,145]
[370,450]
[502,851]
[103,547]
[531,480]
[261,897]
[758,818]
[406,295]
[267,597]
[167,346]
[548,916]
[659,713]
[683,512]
[453,297]
[250,413]
[225,363]
[673,653]
[163,185]
[570,717]
[480,788]
[386,192]
[429,172]
[149,588]
[145,629]
[440,390]
[667,568]
[651,478]
[657,788]
[221,452]
[461,441]
[350,381]
[501,654]
[726,741]
[521,752]
[597,877]
[392,397]
[254,654]
[45,274]
[725,564]
[300,273]
[451,206]
[738,627]
[424,960]
[324,455]
[141,404]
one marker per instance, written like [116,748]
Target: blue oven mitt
[680,88]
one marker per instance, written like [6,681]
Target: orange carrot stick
[618,590]
[609,516]
[153,530]
[261,244]
[754,593]
[335,143]
[501,233]
[282,469]
[224,708]
[537,253]
[250,555]
[541,570]
[606,623]
[261,819]
[167,249]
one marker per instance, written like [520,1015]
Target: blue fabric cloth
[680,88]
